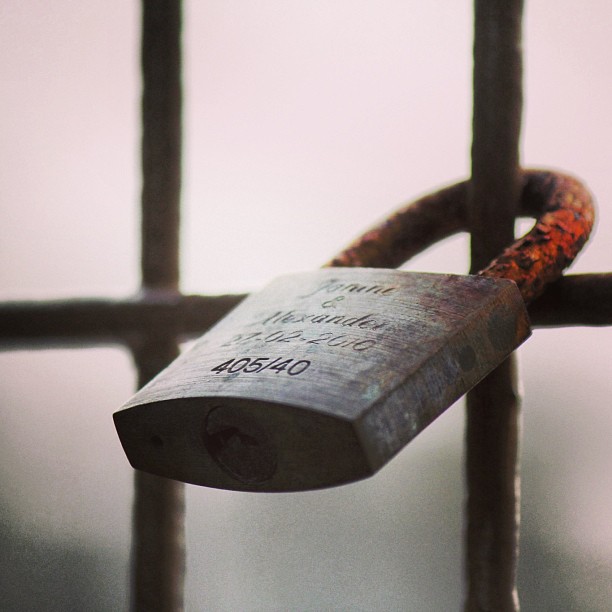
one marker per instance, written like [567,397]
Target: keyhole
[239,445]
[231,438]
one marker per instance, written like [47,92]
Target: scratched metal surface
[383,351]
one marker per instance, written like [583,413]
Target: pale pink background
[306,121]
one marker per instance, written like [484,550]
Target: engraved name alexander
[367,321]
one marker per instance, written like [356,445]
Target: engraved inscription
[366,321]
[333,285]
[333,314]
[325,338]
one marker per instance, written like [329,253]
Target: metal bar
[107,321]
[492,416]
[158,556]
[497,100]
[161,142]
[577,299]
[573,300]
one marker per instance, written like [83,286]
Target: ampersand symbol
[332,303]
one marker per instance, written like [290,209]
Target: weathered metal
[321,378]
[161,160]
[98,321]
[576,299]
[562,203]
[158,556]
[565,219]
[492,433]
[346,412]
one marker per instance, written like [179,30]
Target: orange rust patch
[540,257]
[566,216]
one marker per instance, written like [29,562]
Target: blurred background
[305,122]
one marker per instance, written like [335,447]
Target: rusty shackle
[562,205]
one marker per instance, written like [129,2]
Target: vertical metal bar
[497,80]
[158,558]
[493,410]
[161,142]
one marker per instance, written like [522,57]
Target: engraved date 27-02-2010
[325,338]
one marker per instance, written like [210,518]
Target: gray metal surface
[321,378]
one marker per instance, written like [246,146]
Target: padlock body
[321,378]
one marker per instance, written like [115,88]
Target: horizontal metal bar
[575,299]
[105,321]
[578,299]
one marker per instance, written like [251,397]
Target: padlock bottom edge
[235,444]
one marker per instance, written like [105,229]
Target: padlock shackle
[562,205]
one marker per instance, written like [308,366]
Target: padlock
[322,377]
